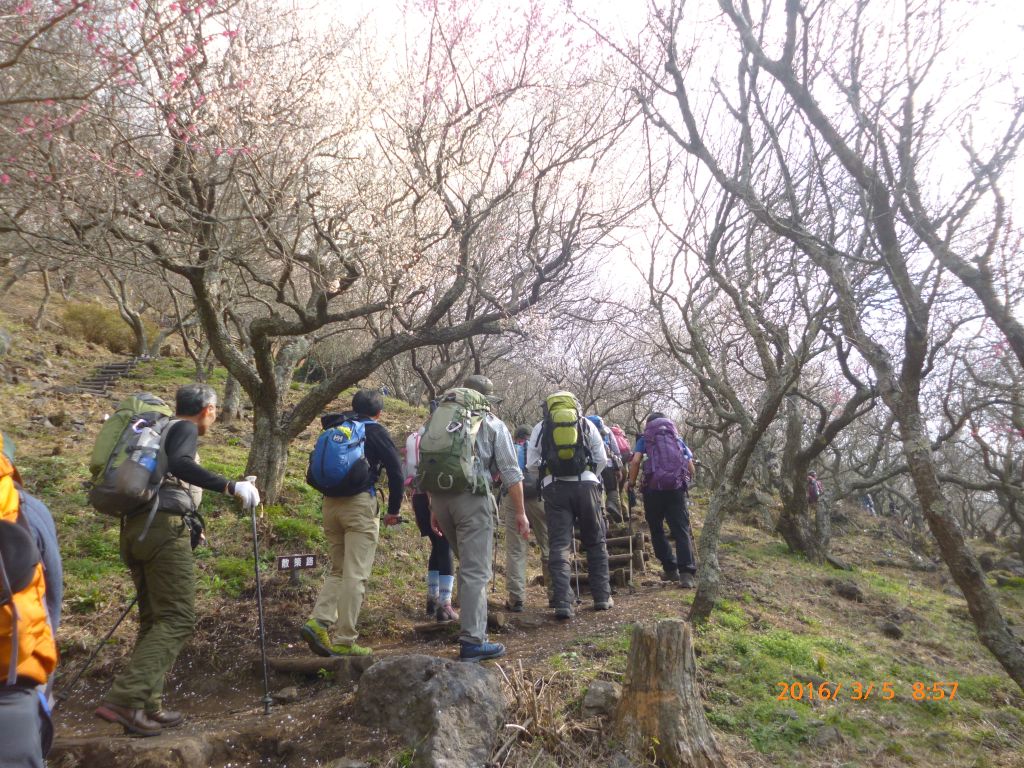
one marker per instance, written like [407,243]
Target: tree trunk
[661,710]
[37,323]
[268,458]
[798,532]
[709,573]
[231,409]
[993,631]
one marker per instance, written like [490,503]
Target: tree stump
[661,709]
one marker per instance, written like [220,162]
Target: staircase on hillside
[100,381]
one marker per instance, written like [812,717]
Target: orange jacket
[37,651]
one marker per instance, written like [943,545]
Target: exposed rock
[286,695]
[836,562]
[891,629]
[5,342]
[345,762]
[451,711]
[342,669]
[1012,564]
[1006,580]
[826,737]
[60,419]
[847,589]
[601,699]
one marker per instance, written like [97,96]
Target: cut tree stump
[661,709]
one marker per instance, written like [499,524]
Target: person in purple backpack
[667,469]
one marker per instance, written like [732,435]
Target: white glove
[247,493]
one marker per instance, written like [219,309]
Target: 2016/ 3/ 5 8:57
[862,691]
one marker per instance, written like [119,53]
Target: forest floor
[780,619]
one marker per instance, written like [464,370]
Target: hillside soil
[782,620]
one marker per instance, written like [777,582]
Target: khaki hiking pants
[468,522]
[517,549]
[352,528]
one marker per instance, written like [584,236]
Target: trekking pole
[259,606]
[576,567]
[65,691]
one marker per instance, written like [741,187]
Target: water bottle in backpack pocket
[128,463]
[338,465]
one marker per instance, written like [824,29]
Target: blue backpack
[338,465]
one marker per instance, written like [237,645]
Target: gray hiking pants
[21,723]
[468,522]
[567,502]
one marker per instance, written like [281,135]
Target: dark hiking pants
[565,503]
[662,507]
[440,552]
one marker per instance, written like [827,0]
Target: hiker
[463,445]
[517,547]
[568,452]
[814,488]
[668,467]
[611,476]
[352,529]
[29,586]
[440,573]
[869,504]
[157,549]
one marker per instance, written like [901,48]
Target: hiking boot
[316,636]
[167,718]
[432,605]
[604,605]
[446,614]
[134,720]
[564,612]
[670,575]
[514,606]
[350,650]
[686,580]
[480,651]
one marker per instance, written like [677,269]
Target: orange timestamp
[863,691]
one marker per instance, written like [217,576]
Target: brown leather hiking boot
[133,720]
[168,718]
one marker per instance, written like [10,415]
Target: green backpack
[128,462]
[563,445]
[448,460]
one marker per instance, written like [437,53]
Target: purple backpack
[667,468]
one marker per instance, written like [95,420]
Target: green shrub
[104,326]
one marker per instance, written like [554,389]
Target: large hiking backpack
[667,467]
[27,648]
[625,449]
[448,458]
[128,463]
[563,437]
[337,464]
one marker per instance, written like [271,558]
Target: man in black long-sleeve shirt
[352,529]
[158,552]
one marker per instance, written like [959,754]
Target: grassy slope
[779,620]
